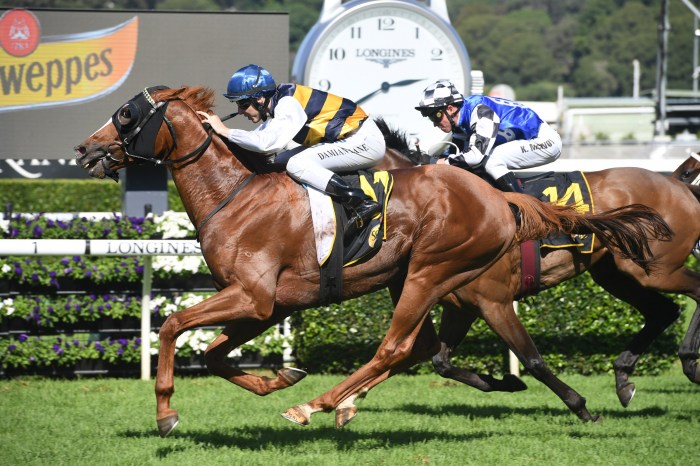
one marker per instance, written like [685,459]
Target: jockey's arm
[483,130]
[273,135]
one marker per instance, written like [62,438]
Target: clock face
[382,55]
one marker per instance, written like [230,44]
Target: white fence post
[146,286]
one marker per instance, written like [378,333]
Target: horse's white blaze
[101,127]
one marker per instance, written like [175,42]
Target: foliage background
[532,45]
[578,327]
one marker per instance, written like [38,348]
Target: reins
[199,150]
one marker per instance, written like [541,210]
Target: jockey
[494,135]
[327,134]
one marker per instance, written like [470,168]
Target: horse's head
[140,131]
[689,171]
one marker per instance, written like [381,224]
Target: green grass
[408,420]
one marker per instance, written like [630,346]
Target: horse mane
[397,140]
[198,97]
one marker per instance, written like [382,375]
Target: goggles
[433,114]
[243,104]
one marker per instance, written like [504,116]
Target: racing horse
[491,295]
[444,228]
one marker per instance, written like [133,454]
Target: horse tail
[624,230]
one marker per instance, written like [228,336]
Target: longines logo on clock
[385,53]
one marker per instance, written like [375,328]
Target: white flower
[8,304]
[5,225]
[173,224]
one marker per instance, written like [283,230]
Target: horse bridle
[131,138]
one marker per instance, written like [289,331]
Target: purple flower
[57,348]
[99,347]
[120,351]
[11,348]
[52,274]
[35,277]
[18,270]
[123,341]
[64,261]
[23,337]
[76,259]
[37,231]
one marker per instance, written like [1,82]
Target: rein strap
[223,203]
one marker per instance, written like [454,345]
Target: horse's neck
[205,182]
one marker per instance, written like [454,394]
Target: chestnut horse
[491,295]
[444,228]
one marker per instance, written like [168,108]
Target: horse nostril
[80,149]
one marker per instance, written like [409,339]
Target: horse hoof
[167,425]
[513,383]
[296,416]
[626,393]
[344,415]
[291,375]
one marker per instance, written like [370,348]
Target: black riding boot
[508,182]
[363,208]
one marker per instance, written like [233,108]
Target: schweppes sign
[47,71]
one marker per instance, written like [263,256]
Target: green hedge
[577,326]
[69,195]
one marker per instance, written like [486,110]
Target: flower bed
[59,315]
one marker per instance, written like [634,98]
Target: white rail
[108,247]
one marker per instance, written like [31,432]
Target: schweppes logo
[63,69]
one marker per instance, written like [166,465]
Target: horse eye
[124,115]
[685,174]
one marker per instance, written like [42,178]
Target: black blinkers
[138,122]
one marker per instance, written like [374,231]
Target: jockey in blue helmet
[494,135]
[322,134]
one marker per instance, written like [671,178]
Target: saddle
[330,219]
[570,188]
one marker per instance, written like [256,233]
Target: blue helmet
[250,81]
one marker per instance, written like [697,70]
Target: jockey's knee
[296,168]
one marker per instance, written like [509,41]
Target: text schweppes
[68,69]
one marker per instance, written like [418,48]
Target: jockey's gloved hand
[471,158]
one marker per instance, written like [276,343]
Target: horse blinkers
[138,122]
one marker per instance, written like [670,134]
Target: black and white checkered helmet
[440,94]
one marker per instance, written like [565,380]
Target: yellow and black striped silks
[329,117]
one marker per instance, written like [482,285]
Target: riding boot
[355,200]
[508,182]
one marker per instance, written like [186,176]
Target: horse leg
[501,318]
[454,326]
[395,348]
[234,336]
[659,313]
[424,347]
[688,352]
[213,310]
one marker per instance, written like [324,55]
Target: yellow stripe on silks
[302,94]
[317,127]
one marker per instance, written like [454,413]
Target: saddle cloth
[329,218]
[569,188]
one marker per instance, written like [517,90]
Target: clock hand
[385,88]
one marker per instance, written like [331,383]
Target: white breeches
[316,165]
[513,155]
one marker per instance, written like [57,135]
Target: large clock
[382,54]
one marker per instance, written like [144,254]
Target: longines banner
[63,73]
